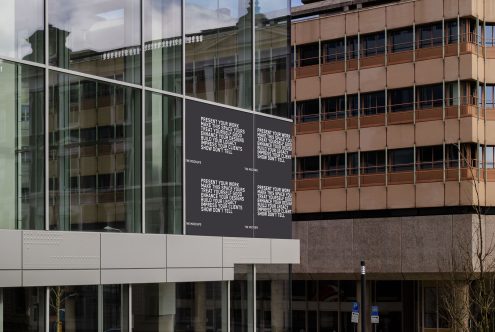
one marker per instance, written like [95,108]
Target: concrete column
[199,307]
[166,307]
[277,305]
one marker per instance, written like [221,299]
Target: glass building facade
[92,104]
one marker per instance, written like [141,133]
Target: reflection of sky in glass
[162,19]
[203,15]
[95,24]
[16,27]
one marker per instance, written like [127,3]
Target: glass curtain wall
[22,309]
[95,153]
[219,51]
[21,146]
[88,308]
[180,307]
[272,69]
[162,28]
[22,36]
[98,37]
[163,154]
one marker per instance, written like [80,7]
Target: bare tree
[468,293]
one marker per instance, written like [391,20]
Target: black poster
[238,173]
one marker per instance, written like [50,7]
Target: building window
[489,35]
[401,160]
[22,25]
[333,108]
[373,44]
[22,147]
[430,35]
[352,105]
[352,163]
[429,157]
[490,156]
[333,165]
[451,32]
[430,96]
[401,100]
[162,32]
[308,55]
[334,50]
[451,156]
[308,167]
[352,47]
[104,146]
[373,103]
[98,40]
[433,311]
[163,162]
[372,162]
[308,110]
[401,40]
[490,96]
[22,309]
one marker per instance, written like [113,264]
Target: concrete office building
[95,98]
[394,146]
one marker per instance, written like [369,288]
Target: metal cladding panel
[228,273]
[285,251]
[133,251]
[194,274]
[194,251]
[10,249]
[10,278]
[133,276]
[60,250]
[237,173]
[32,278]
[246,251]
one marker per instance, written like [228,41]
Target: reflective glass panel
[218,51]
[181,307]
[22,29]
[163,164]
[22,140]
[115,308]
[95,155]
[272,298]
[98,37]
[163,44]
[242,299]
[272,57]
[74,308]
[23,309]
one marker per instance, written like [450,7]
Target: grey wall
[45,258]
[406,247]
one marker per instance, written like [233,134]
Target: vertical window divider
[129,307]
[183,78]
[47,309]
[254,295]
[143,126]
[46,124]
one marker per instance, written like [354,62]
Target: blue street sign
[375,317]
[355,307]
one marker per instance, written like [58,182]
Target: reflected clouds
[21,36]
[96,25]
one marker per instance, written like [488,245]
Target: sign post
[355,313]
[363,296]
[375,317]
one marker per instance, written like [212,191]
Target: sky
[296,3]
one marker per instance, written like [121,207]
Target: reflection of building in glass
[92,143]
